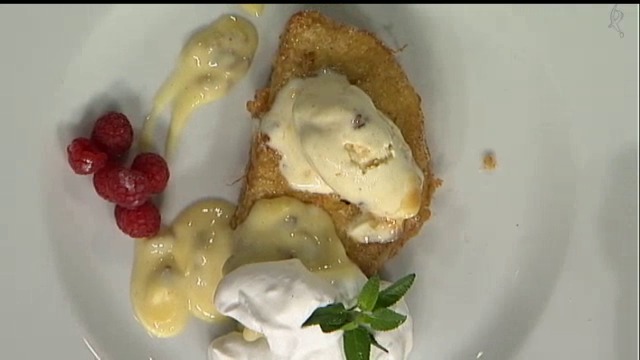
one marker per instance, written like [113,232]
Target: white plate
[535,260]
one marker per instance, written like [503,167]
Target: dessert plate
[536,258]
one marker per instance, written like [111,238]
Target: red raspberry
[113,132]
[117,184]
[141,222]
[155,168]
[84,157]
[100,181]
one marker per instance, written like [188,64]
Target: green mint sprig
[370,313]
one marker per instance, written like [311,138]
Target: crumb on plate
[489,161]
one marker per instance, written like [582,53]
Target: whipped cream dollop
[273,300]
[332,139]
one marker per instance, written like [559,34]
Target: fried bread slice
[312,42]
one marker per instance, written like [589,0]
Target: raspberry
[117,184]
[155,168]
[141,222]
[84,157]
[113,133]
[100,180]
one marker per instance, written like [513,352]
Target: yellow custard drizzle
[176,273]
[253,9]
[210,64]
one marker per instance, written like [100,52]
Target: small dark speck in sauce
[358,121]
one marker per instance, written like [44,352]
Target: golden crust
[312,42]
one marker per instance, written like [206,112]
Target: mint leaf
[369,294]
[385,319]
[375,343]
[324,313]
[370,313]
[394,292]
[349,326]
[330,318]
[357,344]
[333,326]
